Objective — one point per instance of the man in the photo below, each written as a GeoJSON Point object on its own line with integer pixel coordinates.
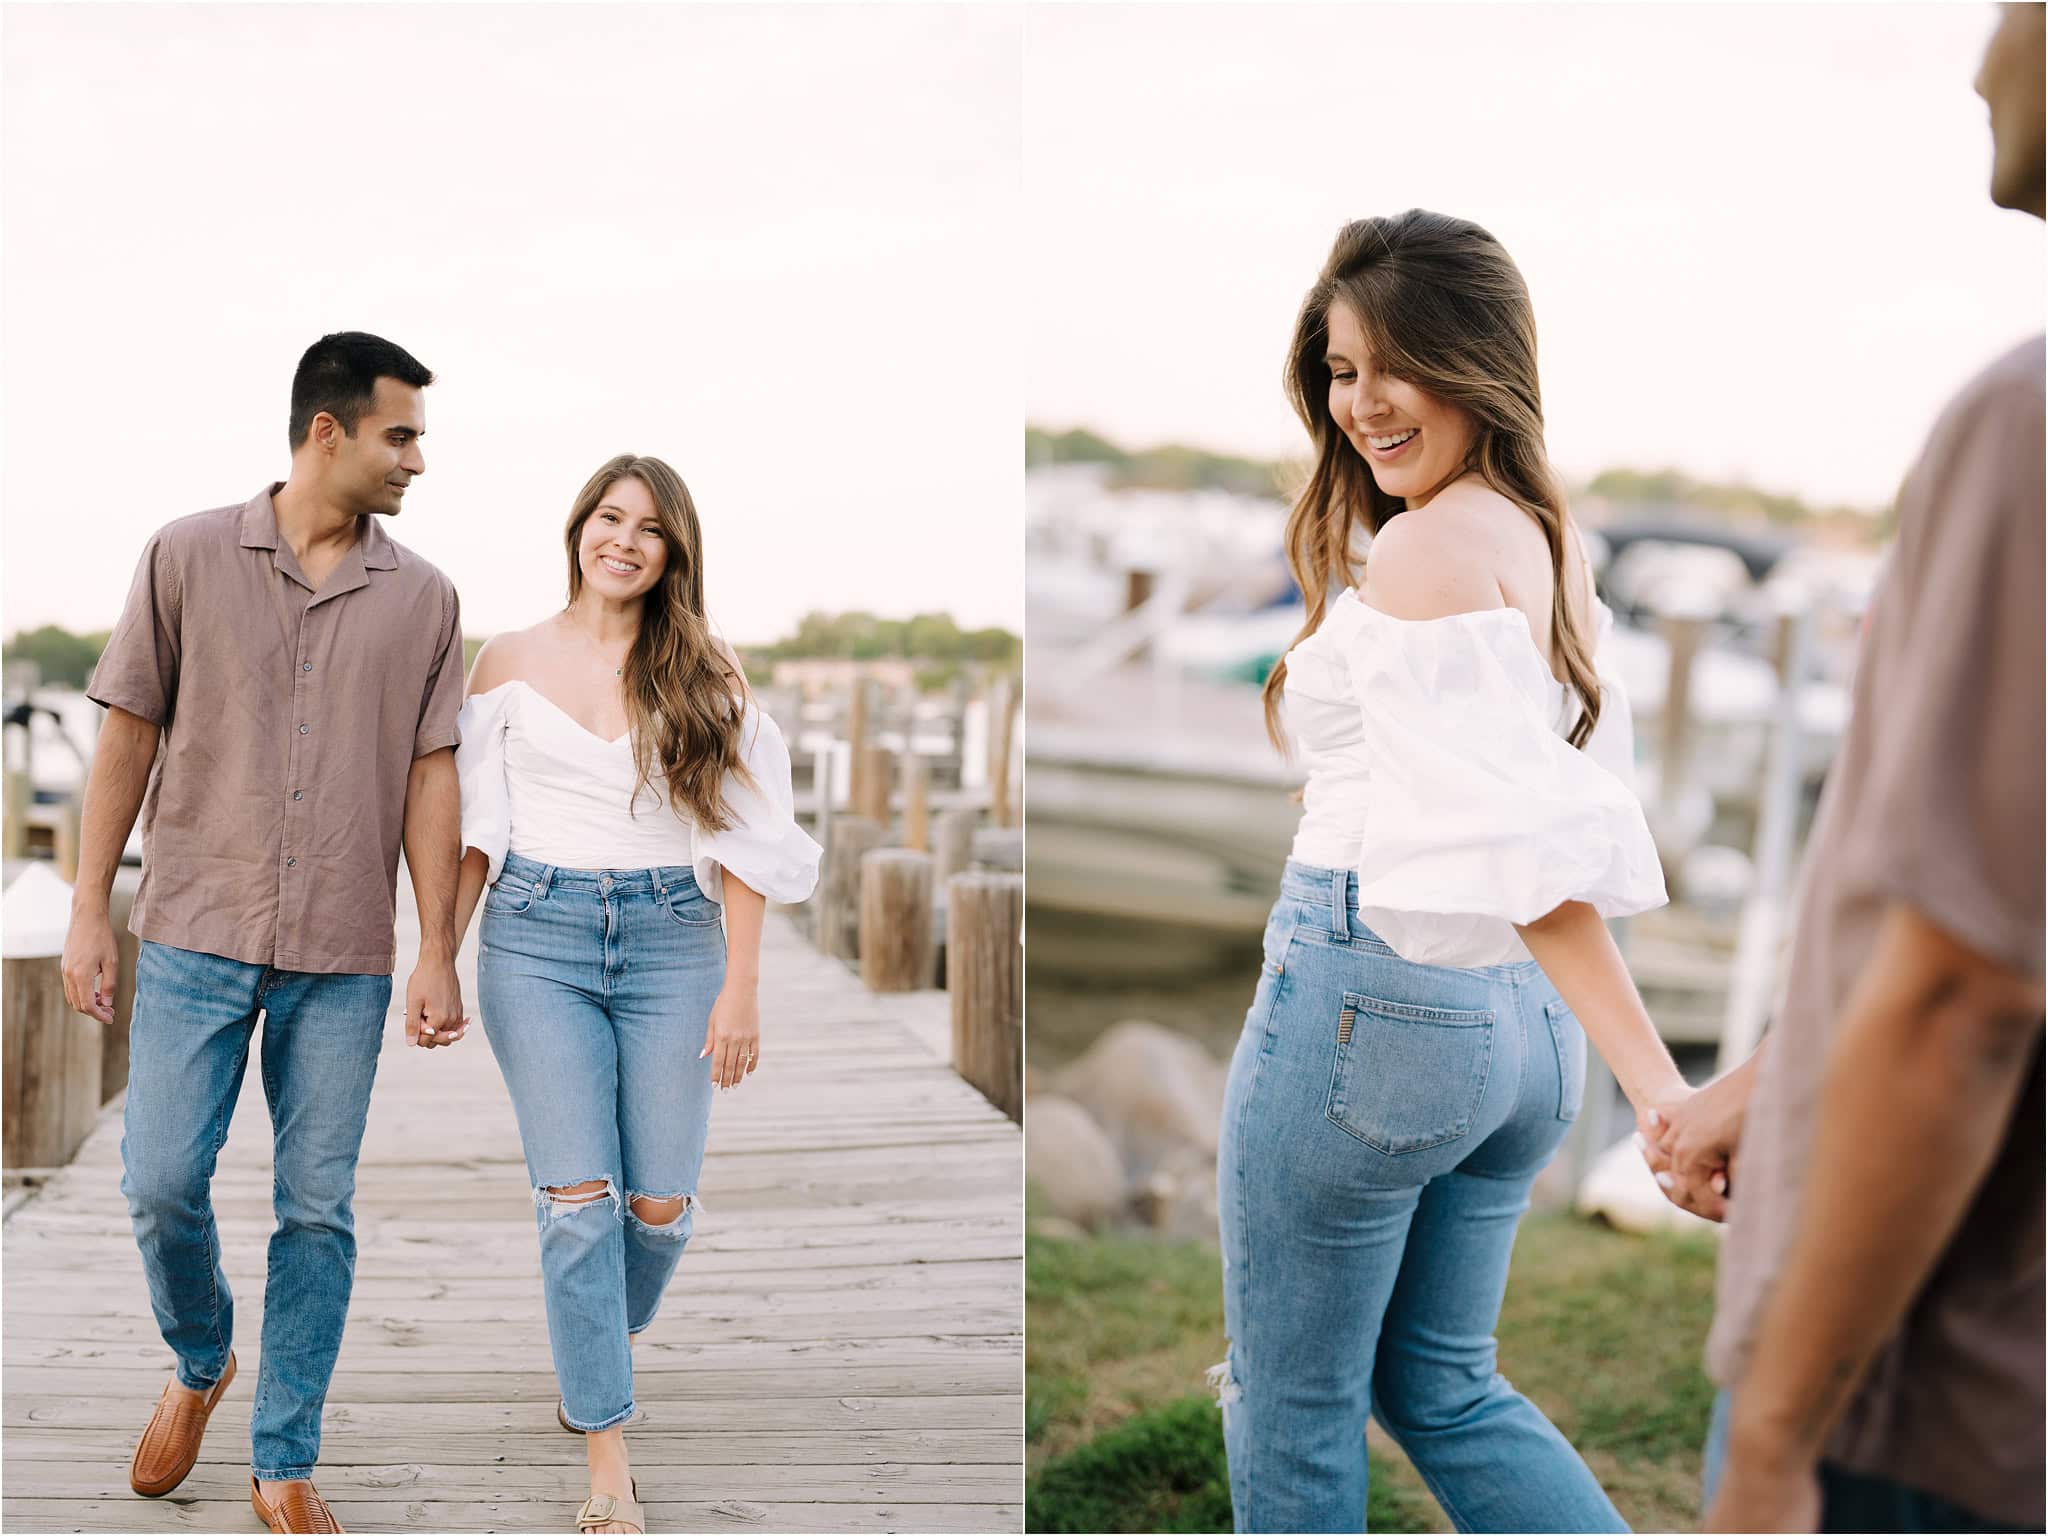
{"type": "Point", "coordinates": [1879, 1320]}
{"type": "Point", "coordinates": [284, 681]}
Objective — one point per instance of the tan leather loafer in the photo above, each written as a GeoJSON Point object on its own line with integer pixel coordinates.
{"type": "Point", "coordinates": [301, 1509]}
{"type": "Point", "coordinates": [170, 1440]}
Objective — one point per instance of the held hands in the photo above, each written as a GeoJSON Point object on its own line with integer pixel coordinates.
{"type": "Point", "coordinates": [733, 1041]}
{"type": "Point", "coordinates": [91, 965]}
{"type": "Point", "coordinates": [433, 1005]}
{"type": "Point", "coordinates": [1691, 1143]}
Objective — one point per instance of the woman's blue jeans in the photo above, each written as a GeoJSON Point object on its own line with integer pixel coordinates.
{"type": "Point", "coordinates": [188, 1042]}
{"type": "Point", "coordinates": [1382, 1126]}
{"type": "Point", "coordinates": [596, 989]}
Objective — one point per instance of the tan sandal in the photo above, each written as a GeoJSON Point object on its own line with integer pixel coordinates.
{"type": "Point", "coordinates": [610, 1509]}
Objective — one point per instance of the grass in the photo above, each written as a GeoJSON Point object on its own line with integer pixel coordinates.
{"type": "Point", "coordinates": [1601, 1330]}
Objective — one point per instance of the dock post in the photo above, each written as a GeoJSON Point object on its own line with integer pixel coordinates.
{"type": "Point", "coordinates": [52, 1065]}
{"type": "Point", "coordinates": [1001, 727]}
{"type": "Point", "coordinates": [839, 911]}
{"type": "Point", "coordinates": [985, 980]}
{"type": "Point", "coordinates": [877, 770]}
{"type": "Point", "coordinates": [856, 739]}
{"type": "Point", "coordinates": [917, 832]}
{"type": "Point", "coordinates": [896, 920]}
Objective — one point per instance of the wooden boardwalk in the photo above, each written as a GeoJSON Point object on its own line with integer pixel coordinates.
{"type": "Point", "coordinates": [841, 1348]}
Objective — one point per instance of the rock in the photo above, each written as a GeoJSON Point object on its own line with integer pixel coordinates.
{"type": "Point", "coordinates": [1179, 1199]}
{"type": "Point", "coordinates": [1075, 1168]}
{"type": "Point", "coordinates": [1620, 1187]}
{"type": "Point", "coordinates": [1157, 1093]}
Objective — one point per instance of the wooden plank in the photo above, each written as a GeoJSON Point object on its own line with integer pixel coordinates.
{"type": "Point", "coordinates": [227, 1444]}
{"type": "Point", "coordinates": [178, 1513]}
{"type": "Point", "coordinates": [509, 1483]}
{"type": "Point", "coordinates": [728, 1324]}
{"type": "Point", "coordinates": [655, 1416]}
{"type": "Point", "coordinates": [970, 1377]}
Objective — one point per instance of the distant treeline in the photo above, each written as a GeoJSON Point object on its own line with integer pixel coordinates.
{"type": "Point", "coordinates": [66, 660]}
{"type": "Point", "coordinates": [1174, 467]}
{"type": "Point", "coordinates": [1170, 467]}
{"type": "Point", "coordinates": [933, 639]}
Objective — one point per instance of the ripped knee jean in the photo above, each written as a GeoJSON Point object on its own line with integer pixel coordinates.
{"type": "Point", "coordinates": [596, 990]}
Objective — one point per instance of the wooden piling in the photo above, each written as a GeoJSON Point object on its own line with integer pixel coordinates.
{"type": "Point", "coordinates": [14, 817]}
{"type": "Point", "coordinates": [839, 906]}
{"type": "Point", "coordinates": [917, 831]}
{"type": "Point", "coordinates": [1683, 634]}
{"type": "Point", "coordinates": [1002, 722]}
{"type": "Point", "coordinates": [856, 738]}
{"type": "Point", "coordinates": [50, 1062]}
{"type": "Point", "coordinates": [985, 979]}
{"type": "Point", "coordinates": [69, 831]}
{"type": "Point", "coordinates": [952, 843]}
{"type": "Point", "coordinates": [821, 776]}
{"type": "Point", "coordinates": [896, 920]}
{"type": "Point", "coordinates": [878, 770]}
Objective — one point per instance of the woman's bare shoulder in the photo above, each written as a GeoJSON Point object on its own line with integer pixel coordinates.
{"type": "Point", "coordinates": [510, 655]}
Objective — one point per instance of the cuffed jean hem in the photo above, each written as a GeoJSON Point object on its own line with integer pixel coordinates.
{"type": "Point", "coordinates": [592, 1429]}
{"type": "Point", "coordinates": [186, 1380]}
{"type": "Point", "coordinates": [288, 1475]}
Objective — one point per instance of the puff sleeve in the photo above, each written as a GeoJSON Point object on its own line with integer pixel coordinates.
{"type": "Point", "coordinates": [1480, 814]}
{"type": "Point", "coordinates": [480, 767]}
{"type": "Point", "coordinates": [764, 846]}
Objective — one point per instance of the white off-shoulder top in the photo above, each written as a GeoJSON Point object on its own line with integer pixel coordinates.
{"type": "Point", "coordinates": [1439, 770]}
{"type": "Point", "coordinates": [536, 783]}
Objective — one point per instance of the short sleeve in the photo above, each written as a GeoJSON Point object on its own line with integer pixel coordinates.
{"type": "Point", "coordinates": [764, 846]}
{"type": "Point", "coordinates": [1948, 700]}
{"type": "Point", "coordinates": [1476, 806]}
{"type": "Point", "coordinates": [480, 768]}
{"type": "Point", "coordinates": [441, 701]}
{"type": "Point", "coordinates": [138, 670]}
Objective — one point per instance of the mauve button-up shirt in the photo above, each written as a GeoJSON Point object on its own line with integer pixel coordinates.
{"type": "Point", "coordinates": [290, 718]}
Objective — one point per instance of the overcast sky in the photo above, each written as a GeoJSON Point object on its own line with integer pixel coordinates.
{"type": "Point", "coordinates": [1758, 237]}
{"type": "Point", "coordinates": [777, 247]}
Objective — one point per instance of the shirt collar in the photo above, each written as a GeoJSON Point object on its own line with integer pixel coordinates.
{"type": "Point", "coordinates": [259, 531]}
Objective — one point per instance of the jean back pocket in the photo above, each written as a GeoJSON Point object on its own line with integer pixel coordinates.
{"type": "Point", "coordinates": [1407, 1077]}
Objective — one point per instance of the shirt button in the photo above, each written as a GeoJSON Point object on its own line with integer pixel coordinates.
{"type": "Point", "coordinates": [298, 794]}
{"type": "Point", "coordinates": [304, 729]}
{"type": "Point", "coordinates": [309, 666]}
{"type": "Point", "coordinates": [291, 863]}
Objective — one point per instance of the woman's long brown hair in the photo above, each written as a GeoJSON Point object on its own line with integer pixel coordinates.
{"type": "Point", "coordinates": [1444, 308]}
{"type": "Point", "coordinates": [684, 701]}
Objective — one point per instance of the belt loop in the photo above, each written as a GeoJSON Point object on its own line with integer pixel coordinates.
{"type": "Point", "coordinates": [547, 877]}
{"type": "Point", "coordinates": [1340, 906]}
{"type": "Point", "coordinates": [660, 884]}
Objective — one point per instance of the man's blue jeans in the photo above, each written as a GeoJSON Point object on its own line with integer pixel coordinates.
{"type": "Point", "coordinates": [194, 1021]}
{"type": "Point", "coordinates": [1850, 1501]}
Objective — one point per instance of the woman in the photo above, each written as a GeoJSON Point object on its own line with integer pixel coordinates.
{"type": "Point", "coordinates": [1413, 1054]}
{"type": "Point", "coordinates": [619, 790]}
